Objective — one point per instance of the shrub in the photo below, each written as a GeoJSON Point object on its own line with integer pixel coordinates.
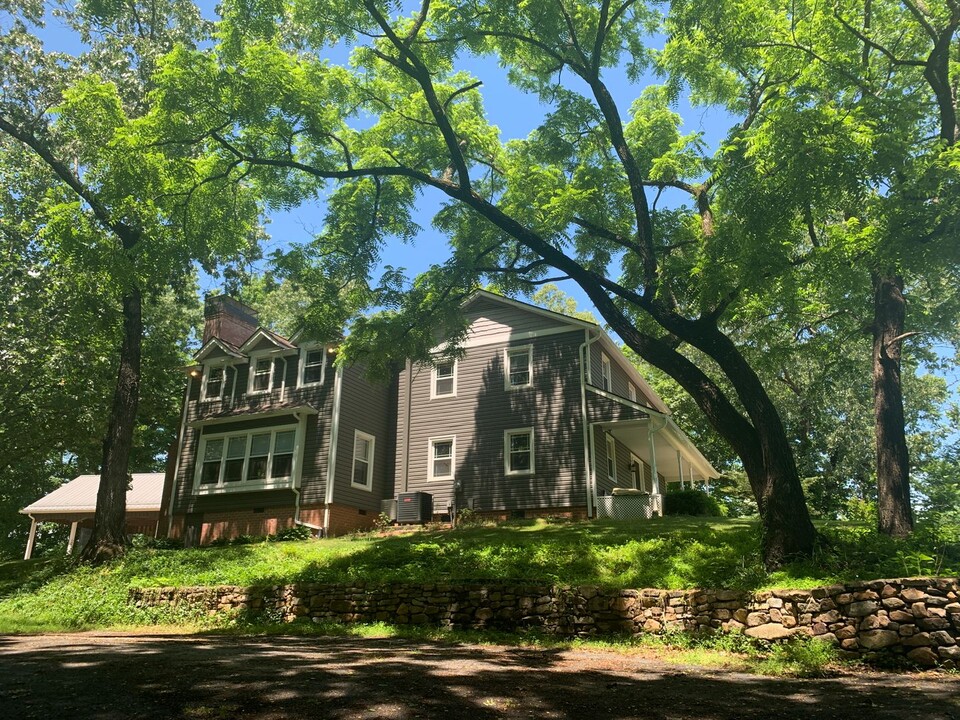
{"type": "Point", "coordinates": [690, 502]}
{"type": "Point", "coordinates": [145, 541]}
{"type": "Point", "coordinates": [297, 532]}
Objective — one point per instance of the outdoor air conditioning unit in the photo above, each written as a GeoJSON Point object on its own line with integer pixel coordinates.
{"type": "Point", "coordinates": [415, 507]}
{"type": "Point", "coordinates": [389, 508]}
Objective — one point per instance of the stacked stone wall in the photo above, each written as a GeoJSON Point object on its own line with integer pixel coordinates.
{"type": "Point", "coordinates": [918, 618]}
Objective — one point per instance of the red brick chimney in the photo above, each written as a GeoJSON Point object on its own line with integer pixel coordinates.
{"type": "Point", "coordinates": [229, 320]}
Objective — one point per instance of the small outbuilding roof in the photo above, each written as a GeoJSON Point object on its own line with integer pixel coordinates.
{"type": "Point", "coordinates": [80, 495]}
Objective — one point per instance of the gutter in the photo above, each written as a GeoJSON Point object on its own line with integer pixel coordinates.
{"type": "Point", "coordinates": [589, 449]}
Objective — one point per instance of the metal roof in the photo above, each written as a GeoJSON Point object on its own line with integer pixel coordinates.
{"type": "Point", "coordinates": [80, 495]}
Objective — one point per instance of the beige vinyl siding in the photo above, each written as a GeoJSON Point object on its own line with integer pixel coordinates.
{"type": "Point", "coordinates": [368, 407]}
{"type": "Point", "coordinates": [480, 414]}
{"type": "Point", "coordinates": [488, 318]}
{"type": "Point", "coordinates": [315, 442]}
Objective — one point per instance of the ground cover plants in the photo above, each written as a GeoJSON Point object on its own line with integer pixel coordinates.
{"type": "Point", "coordinates": [671, 552]}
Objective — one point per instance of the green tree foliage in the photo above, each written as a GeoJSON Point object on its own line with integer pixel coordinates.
{"type": "Point", "coordinates": [123, 214]}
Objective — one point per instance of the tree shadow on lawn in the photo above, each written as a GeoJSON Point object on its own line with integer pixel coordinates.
{"type": "Point", "coordinates": [149, 677]}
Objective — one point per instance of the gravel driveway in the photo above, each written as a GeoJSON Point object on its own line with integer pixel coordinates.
{"type": "Point", "coordinates": [198, 677]}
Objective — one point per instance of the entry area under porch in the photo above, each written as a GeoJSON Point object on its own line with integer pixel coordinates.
{"type": "Point", "coordinates": [635, 462]}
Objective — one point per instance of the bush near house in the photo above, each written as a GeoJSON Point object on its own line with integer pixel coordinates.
{"type": "Point", "coordinates": [691, 502]}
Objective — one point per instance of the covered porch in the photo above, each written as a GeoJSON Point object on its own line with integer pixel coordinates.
{"type": "Point", "coordinates": [638, 461]}
{"type": "Point", "coordinates": [74, 503]}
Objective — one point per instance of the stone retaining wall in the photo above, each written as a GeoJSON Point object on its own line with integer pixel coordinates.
{"type": "Point", "coordinates": [915, 617]}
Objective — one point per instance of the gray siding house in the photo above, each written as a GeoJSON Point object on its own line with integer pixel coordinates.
{"type": "Point", "coordinates": [540, 415]}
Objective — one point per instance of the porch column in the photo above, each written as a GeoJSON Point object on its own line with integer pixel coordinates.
{"type": "Point", "coordinates": [73, 537]}
{"type": "Point", "coordinates": [653, 458]}
{"type": "Point", "coordinates": [31, 539]}
{"type": "Point", "coordinates": [680, 469]}
{"type": "Point", "coordinates": [691, 477]}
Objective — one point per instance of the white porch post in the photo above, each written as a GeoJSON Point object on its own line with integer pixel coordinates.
{"type": "Point", "coordinates": [691, 477]}
{"type": "Point", "coordinates": [31, 539]}
{"type": "Point", "coordinates": [680, 469]}
{"type": "Point", "coordinates": [653, 457]}
{"type": "Point", "coordinates": [73, 537]}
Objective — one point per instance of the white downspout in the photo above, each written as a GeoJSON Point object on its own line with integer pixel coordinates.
{"type": "Point", "coordinates": [180, 441]}
{"type": "Point", "coordinates": [332, 454]}
{"type": "Point", "coordinates": [588, 440]}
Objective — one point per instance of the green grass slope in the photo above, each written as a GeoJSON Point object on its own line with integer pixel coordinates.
{"type": "Point", "coordinates": [672, 552]}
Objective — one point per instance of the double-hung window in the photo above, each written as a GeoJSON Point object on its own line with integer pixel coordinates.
{"type": "Point", "coordinates": [606, 375]}
{"type": "Point", "coordinates": [254, 459]}
{"type": "Point", "coordinates": [362, 460]}
{"type": "Point", "coordinates": [441, 458]}
{"type": "Point", "coordinates": [215, 385]}
{"type": "Point", "coordinates": [261, 374]}
{"type": "Point", "coordinates": [611, 458]}
{"type": "Point", "coordinates": [518, 451]}
{"type": "Point", "coordinates": [443, 381]}
{"type": "Point", "coordinates": [312, 365]}
{"type": "Point", "coordinates": [518, 362]}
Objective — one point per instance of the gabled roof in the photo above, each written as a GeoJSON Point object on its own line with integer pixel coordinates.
{"type": "Point", "coordinates": [263, 333]}
{"type": "Point", "coordinates": [80, 495]}
{"type": "Point", "coordinates": [536, 309]}
{"type": "Point", "coordinates": [216, 343]}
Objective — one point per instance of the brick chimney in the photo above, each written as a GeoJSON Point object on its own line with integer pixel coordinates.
{"type": "Point", "coordinates": [228, 319]}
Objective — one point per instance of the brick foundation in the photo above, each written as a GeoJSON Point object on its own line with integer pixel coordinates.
{"type": "Point", "coordinates": [228, 525]}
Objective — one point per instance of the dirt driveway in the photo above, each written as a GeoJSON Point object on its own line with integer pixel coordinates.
{"type": "Point", "coordinates": [203, 677]}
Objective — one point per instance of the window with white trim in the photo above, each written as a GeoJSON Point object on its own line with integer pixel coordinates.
{"type": "Point", "coordinates": [632, 392]}
{"type": "Point", "coordinates": [518, 451]}
{"type": "Point", "coordinates": [253, 459]}
{"type": "Point", "coordinates": [216, 381]}
{"type": "Point", "coordinates": [606, 375]}
{"type": "Point", "coordinates": [362, 476]}
{"type": "Point", "coordinates": [261, 374]}
{"type": "Point", "coordinates": [443, 381]}
{"type": "Point", "coordinates": [518, 362]}
{"type": "Point", "coordinates": [441, 458]}
{"type": "Point", "coordinates": [313, 361]}
{"type": "Point", "coordinates": [611, 458]}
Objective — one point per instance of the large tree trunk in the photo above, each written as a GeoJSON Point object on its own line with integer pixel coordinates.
{"type": "Point", "coordinates": [893, 462]}
{"type": "Point", "coordinates": [108, 539]}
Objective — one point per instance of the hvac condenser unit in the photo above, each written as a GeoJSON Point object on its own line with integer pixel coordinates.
{"type": "Point", "coordinates": [415, 507]}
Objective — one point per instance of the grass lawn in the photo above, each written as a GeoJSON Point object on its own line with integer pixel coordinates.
{"type": "Point", "coordinates": [672, 552]}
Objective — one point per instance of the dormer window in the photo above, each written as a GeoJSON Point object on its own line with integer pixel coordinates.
{"type": "Point", "coordinates": [312, 365]}
{"type": "Point", "coordinates": [261, 374]}
{"type": "Point", "coordinates": [215, 382]}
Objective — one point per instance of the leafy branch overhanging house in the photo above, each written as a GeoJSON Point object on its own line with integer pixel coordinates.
{"type": "Point", "coordinates": [542, 415]}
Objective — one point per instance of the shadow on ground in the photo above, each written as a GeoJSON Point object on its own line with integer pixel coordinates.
{"type": "Point", "coordinates": [118, 676]}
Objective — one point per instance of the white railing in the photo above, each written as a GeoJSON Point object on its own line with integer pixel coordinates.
{"type": "Point", "coordinates": [629, 507]}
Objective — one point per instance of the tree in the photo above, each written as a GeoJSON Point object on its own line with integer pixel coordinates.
{"type": "Point", "coordinates": [860, 107]}
{"type": "Point", "coordinates": [579, 195]}
{"type": "Point", "coordinates": [119, 208]}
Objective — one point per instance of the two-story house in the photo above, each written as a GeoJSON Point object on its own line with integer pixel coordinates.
{"type": "Point", "coordinates": [542, 415]}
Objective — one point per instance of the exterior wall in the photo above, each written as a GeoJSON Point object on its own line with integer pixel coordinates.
{"type": "Point", "coordinates": [478, 416]}
{"type": "Point", "coordinates": [916, 618]}
{"type": "Point", "coordinates": [489, 318]}
{"type": "Point", "coordinates": [368, 407]}
{"type": "Point", "coordinates": [618, 374]}
{"type": "Point", "coordinates": [624, 479]}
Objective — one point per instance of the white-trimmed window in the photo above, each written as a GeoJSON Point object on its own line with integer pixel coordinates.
{"type": "Point", "coordinates": [518, 365]}
{"type": "Point", "coordinates": [518, 456]}
{"type": "Point", "coordinates": [611, 458]}
{"type": "Point", "coordinates": [249, 460]}
{"type": "Point", "coordinates": [443, 379]}
{"type": "Point", "coordinates": [261, 374]}
{"type": "Point", "coordinates": [313, 364]}
{"type": "Point", "coordinates": [441, 458]}
{"type": "Point", "coordinates": [216, 381]}
{"type": "Point", "coordinates": [362, 476]}
{"type": "Point", "coordinates": [632, 392]}
{"type": "Point", "coordinates": [606, 374]}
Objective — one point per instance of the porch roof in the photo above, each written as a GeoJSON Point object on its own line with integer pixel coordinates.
{"type": "Point", "coordinates": [80, 495]}
{"type": "Point", "coordinates": [668, 441]}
